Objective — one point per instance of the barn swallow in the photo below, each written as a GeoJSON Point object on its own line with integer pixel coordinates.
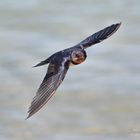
{"type": "Point", "coordinates": [59, 64]}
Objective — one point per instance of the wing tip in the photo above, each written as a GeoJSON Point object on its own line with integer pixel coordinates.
{"type": "Point", "coordinates": [27, 118]}
{"type": "Point", "coordinates": [118, 25]}
{"type": "Point", "coordinates": [29, 115]}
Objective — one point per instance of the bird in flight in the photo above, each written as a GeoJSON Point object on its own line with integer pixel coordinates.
{"type": "Point", "coordinates": [59, 64]}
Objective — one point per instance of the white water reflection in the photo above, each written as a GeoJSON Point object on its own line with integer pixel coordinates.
{"type": "Point", "coordinates": [99, 99]}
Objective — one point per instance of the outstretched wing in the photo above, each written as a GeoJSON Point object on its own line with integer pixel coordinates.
{"type": "Point", "coordinates": [55, 75]}
{"type": "Point", "coordinates": [99, 36]}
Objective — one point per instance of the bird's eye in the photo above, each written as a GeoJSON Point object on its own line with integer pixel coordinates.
{"type": "Point", "coordinates": [77, 55]}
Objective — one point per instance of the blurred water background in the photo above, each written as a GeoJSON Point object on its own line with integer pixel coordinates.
{"type": "Point", "coordinates": [99, 99]}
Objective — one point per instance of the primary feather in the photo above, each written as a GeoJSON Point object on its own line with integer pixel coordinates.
{"type": "Point", "coordinates": [55, 75]}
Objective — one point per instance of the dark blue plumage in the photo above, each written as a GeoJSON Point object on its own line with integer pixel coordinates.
{"type": "Point", "coordinates": [59, 64]}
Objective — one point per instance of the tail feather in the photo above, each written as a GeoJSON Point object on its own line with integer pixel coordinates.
{"type": "Point", "coordinates": [42, 63]}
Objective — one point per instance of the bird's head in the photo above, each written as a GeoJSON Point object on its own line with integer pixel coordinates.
{"type": "Point", "coordinates": [78, 56]}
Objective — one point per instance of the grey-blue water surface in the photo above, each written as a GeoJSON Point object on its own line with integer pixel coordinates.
{"type": "Point", "coordinates": [99, 99]}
